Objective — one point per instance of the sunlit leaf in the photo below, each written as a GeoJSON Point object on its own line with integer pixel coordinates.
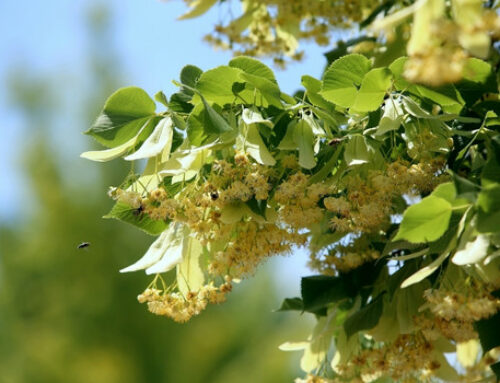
{"type": "Point", "coordinates": [424, 272]}
{"type": "Point", "coordinates": [304, 139]}
{"type": "Point", "coordinates": [125, 213]}
{"type": "Point", "coordinates": [124, 114]}
{"type": "Point", "coordinates": [343, 79]}
{"type": "Point", "coordinates": [425, 221]}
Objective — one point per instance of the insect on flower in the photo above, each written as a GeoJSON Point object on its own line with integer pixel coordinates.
{"type": "Point", "coordinates": [335, 141]}
{"type": "Point", "coordinates": [83, 245]}
{"type": "Point", "coordinates": [138, 212]}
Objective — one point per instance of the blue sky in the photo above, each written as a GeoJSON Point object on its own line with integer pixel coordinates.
{"type": "Point", "coordinates": [49, 37]}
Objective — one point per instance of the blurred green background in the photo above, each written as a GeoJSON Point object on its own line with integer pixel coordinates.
{"type": "Point", "coordinates": [67, 315]}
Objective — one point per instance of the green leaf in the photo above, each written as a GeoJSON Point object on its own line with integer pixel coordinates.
{"type": "Point", "coordinates": [189, 76]}
{"type": "Point", "coordinates": [304, 139]}
{"type": "Point", "coordinates": [392, 118]}
{"type": "Point", "coordinates": [125, 213]}
{"type": "Point", "coordinates": [232, 213]}
{"type": "Point", "coordinates": [198, 8]}
{"type": "Point", "coordinates": [487, 329]}
{"type": "Point", "coordinates": [465, 188]}
{"type": "Point", "coordinates": [366, 318]}
{"type": "Point", "coordinates": [479, 78]}
{"type": "Point", "coordinates": [256, 147]}
{"type": "Point", "coordinates": [252, 66]}
{"type": "Point", "coordinates": [319, 291]}
{"type": "Point", "coordinates": [250, 116]}
{"type": "Point", "coordinates": [425, 221]}
{"type": "Point", "coordinates": [268, 89]}
{"type": "Point", "coordinates": [357, 151]}
{"type": "Point", "coordinates": [216, 85]}
{"type": "Point", "coordinates": [373, 89]}
{"type": "Point", "coordinates": [424, 272]}
{"type": "Point", "coordinates": [445, 191]}
{"type": "Point", "coordinates": [180, 103]}
{"type": "Point", "coordinates": [488, 217]}
{"type": "Point", "coordinates": [124, 114]}
{"type": "Point", "coordinates": [172, 189]}
{"type": "Point", "coordinates": [288, 141]}
{"type": "Point", "coordinates": [447, 96]}
{"type": "Point", "coordinates": [292, 304]}
{"type": "Point", "coordinates": [343, 79]}
{"type": "Point", "coordinates": [215, 123]}
{"type": "Point", "coordinates": [313, 87]}
{"type": "Point", "coordinates": [203, 122]}
{"type": "Point", "coordinates": [408, 302]}
{"type": "Point", "coordinates": [257, 206]}
{"type": "Point", "coordinates": [195, 126]}
{"type": "Point", "coordinates": [395, 280]}
{"type": "Point", "coordinates": [161, 98]}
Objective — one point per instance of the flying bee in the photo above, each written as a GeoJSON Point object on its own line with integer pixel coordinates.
{"type": "Point", "coordinates": [83, 245]}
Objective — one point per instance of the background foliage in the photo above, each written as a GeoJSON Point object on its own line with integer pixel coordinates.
{"type": "Point", "coordinates": [66, 314]}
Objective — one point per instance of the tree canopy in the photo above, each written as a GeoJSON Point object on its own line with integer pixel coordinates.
{"type": "Point", "coordinates": [387, 169]}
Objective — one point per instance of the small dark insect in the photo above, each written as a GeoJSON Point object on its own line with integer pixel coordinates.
{"type": "Point", "coordinates": [335, 141]}
{"type": "Point", "coordinates": [214, 196]}
{"type": "Point", "coordinates": [138, 211]}
{"type": "Point", "coordinates": [83, 245]}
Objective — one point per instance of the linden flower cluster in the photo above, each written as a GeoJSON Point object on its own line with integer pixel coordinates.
{"type": "Point", "coordinates": [433, 328]}
{"type": "Point", "coordinates": [409, 358]}
{"type": "Point", "coordinates": [299, 201]}
{"type": "Point", "coordinates": [453, 305]}
{"type": "Point", "coordinates": [367, 203]}
{"type": "Point", "coordinates": [273, 27]}
{"type": "Point", "coordinates": [182, 308]}
{"type": "Point", "coordinates": [249, 246]}
{"type": "Point", "coordinates": [238, 239]}
{"type": "Point", "coordinates": [438, 54]}
{"type": "Point", "coordinates": [344, 258]}
{"type": "Point", "coordinates": [366, 207]}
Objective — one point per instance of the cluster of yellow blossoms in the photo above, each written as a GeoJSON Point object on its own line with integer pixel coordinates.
{"type": "Point", "coordinates": [344, 258]}
{"type": "Point", "coordinates": [298, 201]}
{"type": "Point", "coordinates": [239, 245]}
{"type": "Point", "coordinates": [454, 313]}
{"type": "Point", "coordinates": [453, 305]}
{"type": "Point", "coordinates": [406, 359]}
{"type": "Point", "coordinates": [181, 308]}
{"type": "Point", "coordinates": [216, 209]}
{"type": "Point", "coordinates": [273, 27]}
{"type": "Point", "coordinates": [366, 207]}
{"type": "Point", "coordinates": [439, 47]}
